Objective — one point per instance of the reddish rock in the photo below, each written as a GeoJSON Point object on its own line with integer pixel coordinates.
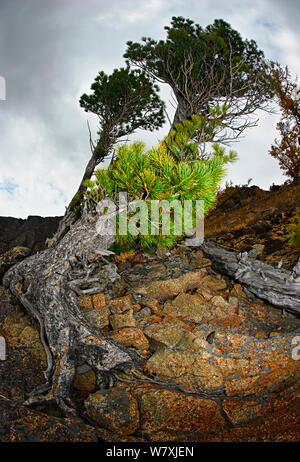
{"type": "Point", "coordinates": [120, 304]}
{"type": "Point", "coordinates": [170, 411]}
{"type": "Point", "coordinates": [131, 337]}
{"type": "Point", "coordinates": [162, 290]}
{"type": "Point", "coordinates": [125, 319]}
{"type": "Point", "coordinates": [190, 307]}
{"type": "Point", "coordinates": [98, 300]}
{"type": "Point", "coordinates": [189, 369]}
{"type": "Point", "coordinates": [85, 302]}
{"type": "Point", "coordinates": [241, 412]}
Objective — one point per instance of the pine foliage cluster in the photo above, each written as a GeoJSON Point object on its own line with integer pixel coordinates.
{"type": "Point", "coordinates": [293, 231]}
{"type": "Point", "coordinates": [173, 169]}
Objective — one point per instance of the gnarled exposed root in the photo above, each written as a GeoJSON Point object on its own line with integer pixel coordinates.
{"type": "Point", "coordinates": [43, 284]}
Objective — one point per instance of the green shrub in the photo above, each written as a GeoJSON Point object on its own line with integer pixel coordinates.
{"type": "Point", "coordinates": [293, 231]}
{"type": "Point", "coordinates": [172, 170]}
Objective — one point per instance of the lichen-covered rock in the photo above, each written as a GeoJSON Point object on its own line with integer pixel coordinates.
{"type": "Point", "coordinates": [162, 335]}
{"type": "Point", "coordinates": [189, 369]}
{"type": "Point", "coordinates": [99, 300]}
{"type": "Point", "coordinates": [85, 302]}
{"type": "Point", "coordinates": [131, 337]}
{"type": "Point", "coordinates": [120, 304]}
{"type": "Point", "coordinates": [167, 410]}
{"type": "Point", "coordinates": [189, 307]}
{"type": "Point", "coordinates": [162, 290]}
{"type": "Point", "coordinates": [125, 319]}
{"type": "Point", "coordinates": [114, 409]}
{"type": "Point", "coordinates": [99, 317]}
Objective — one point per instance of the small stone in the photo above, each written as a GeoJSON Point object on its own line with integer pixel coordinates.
{"type": "Point", "coordinates": [99, 317]}
{"type": "Point", "coordinates": [85, 302]}
{"type": "Point", "coordinates": [162, 335]}
{"type": "Point", "coordinates": [120, 304]}
{"type": "Point", "coordinates": [98, 300]}
{"type": "Point", "coordinates": [162, 290]}
{"type": "Point", "coordinates": [214, 283]}
{"type": "Point", "coordinates": [131, 337]}
{"type": "Point", "coordinates": [126, 319]}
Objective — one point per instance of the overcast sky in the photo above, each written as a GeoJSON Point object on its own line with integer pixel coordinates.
{"type": "Point", "coordinates": [50, 53]}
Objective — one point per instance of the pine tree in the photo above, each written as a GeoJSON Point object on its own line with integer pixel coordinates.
{"type": "Point", "coordinates": [123, 102]}
{"type": "Point", "coordinates": [206, 67]}
{"type": "Point", "coordinates": [173, 170]}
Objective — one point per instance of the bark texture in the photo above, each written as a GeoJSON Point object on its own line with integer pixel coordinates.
{"type": "Point", "coordinates": [46, 285]}
{"type": "Point", "coordinates": [277, 286]}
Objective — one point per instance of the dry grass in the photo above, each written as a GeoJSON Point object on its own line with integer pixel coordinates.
{"type": "Point", "coordinates": [263, 204]}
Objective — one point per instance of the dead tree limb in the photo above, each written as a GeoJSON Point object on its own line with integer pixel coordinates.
{"type": "Point", "coordinates": [277, 286]}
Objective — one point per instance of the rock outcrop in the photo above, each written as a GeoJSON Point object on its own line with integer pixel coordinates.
{"type": "Point", "coordinates": [31, 233]}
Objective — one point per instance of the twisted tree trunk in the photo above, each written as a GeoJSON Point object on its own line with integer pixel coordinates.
{"type": "Point", "coordinates": [46, 285]}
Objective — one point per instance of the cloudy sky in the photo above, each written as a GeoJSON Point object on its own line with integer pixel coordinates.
{"type": "Point", "coordinates": [50, 53]}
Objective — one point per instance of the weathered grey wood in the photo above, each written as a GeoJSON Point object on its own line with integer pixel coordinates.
{"type": "Point", "coordinates": [43, 283]}
{"type": "Point", "coordinates": [277, 286]}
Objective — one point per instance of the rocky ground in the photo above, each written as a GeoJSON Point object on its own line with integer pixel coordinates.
{"type": "Point", "coordinates": [215, 365]}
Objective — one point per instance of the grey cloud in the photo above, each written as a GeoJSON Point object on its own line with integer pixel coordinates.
{"type": "Point", "coordinates": [50, 53]}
